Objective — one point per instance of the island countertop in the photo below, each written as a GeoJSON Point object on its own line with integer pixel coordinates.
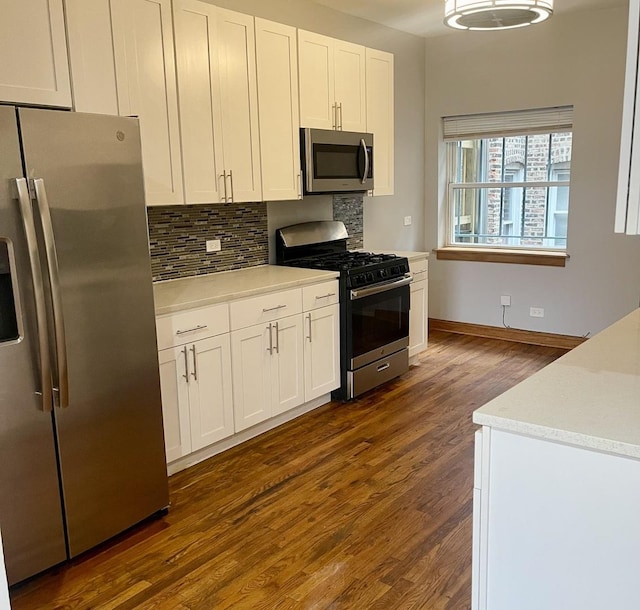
{"type": "Point", "coordinates": [590, 397]}
{"type": "Point", "coordinates": [186, 293]}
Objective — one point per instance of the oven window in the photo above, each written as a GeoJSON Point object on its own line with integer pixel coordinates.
{"type": "Point", "coordinates": [379, 319]}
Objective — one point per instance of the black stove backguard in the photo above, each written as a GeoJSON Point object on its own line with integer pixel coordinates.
{"type": "Point", "coordinates": [374, 302]}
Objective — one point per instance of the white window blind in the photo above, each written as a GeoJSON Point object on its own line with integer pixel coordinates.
{"type": "Point", "coordinates": [501, 124]}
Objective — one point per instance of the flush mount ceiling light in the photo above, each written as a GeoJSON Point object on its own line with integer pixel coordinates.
{"type": "Point", "coordinates": [495, 14]}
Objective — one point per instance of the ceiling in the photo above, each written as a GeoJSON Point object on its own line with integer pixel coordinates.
{"type": "Point", "coordinates": [424, 17]}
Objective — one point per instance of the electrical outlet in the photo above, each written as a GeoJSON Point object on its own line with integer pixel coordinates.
{"type": "Point", "coordinates": [536, 312]}
{"type": "Point", "coordinates": [505, 300]}
{"type": "Point", "coordinates": [407, 221]}
{"type": "Point", "coordinates": [213, 245]}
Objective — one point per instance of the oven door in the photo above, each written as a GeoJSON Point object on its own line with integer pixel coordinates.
{"type": "Point", "coordinates": [377, 321]}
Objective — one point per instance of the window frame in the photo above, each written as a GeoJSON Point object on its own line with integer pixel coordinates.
{"type": "Point", "coordinates": [481, 128]}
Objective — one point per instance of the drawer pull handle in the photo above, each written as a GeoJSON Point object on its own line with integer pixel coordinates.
{"type": "Point", "coordinates": [326, 296]}
{"type": "Point", "coordinates": [191, 330]}
{"type": "Point", "coordinates": [267, 310]}
{"type": "Point", "coordinates": [383, 367]}
{"type": "Point", "coordinates": [419, 272]}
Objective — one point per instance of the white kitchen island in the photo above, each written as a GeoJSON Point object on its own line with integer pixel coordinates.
{"type": "Point", "coordinates": [557, 483]}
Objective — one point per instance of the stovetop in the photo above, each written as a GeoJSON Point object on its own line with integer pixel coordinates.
{"type": "Point", "coordinates": [323, 245]}
{"type": "Point", "coordinates": [358, 269]}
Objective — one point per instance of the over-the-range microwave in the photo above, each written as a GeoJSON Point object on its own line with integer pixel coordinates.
{"type": "Point", "coordinates": [336, 161]}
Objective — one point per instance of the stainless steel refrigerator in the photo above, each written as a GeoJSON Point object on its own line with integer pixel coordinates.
{"type": "Point", "coordinates": [81, 438]}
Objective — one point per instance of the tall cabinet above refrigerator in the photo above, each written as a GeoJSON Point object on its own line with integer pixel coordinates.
{"type": "Point", "coordinates": [81, 439]}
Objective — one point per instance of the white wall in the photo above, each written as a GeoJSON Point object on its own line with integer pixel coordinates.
{"type": "Point", "coordinates": [383, 216]}
{"type": "Point", "coordinates": [572, 59]}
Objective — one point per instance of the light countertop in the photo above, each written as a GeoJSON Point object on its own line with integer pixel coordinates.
{"type": "Point", "coordinates": [177, 295]}
{"type": "Point", "coordinates": [411, 255]}
{"type": "Point", "coordinates": [589, 397]}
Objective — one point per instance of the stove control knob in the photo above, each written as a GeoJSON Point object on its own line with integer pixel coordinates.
{"type": "Point", "coordinates": [369, 276]}
{"type": "Point", "coordinates": [383, 273]}
{"type": "Point", "coordinates": [395, 271]}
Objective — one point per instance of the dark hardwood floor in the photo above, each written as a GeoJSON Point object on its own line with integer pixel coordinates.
{"type": "Point", "coordinates": [364, 506]}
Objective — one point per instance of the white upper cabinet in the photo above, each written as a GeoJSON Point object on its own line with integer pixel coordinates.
{"type": "Point", "coordinates": [239, 97]}
{"type": "Point", "coordinates": [332, 83]}
{"type": "Point", "coordinates": [380, 114]}
{"type": "Point", "coordinates": [34, 68]}
{"type": "Point", "coordinates": [218, 103]}
{"type": "Point", "coordinates": [317, 84]}
{"type": "Point", "coordinates": [146, 82]}
{"type": "Point", "coordinates": [628, 200]}
{"type": "Point", "coordinates": [350, 70]}
{"type": "Point", "coordinates": [277, 70]}
{"type": "Point", "coordinates": [199, 86]}
{"type": "Point", "coordinates": [90, 40]}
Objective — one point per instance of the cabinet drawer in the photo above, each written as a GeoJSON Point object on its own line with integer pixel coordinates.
{"type": "Point", "coordinates": [192, 325]}
{"type": "Point", "coordinates": [320, 295]}
{"type": "Point", "coordinates": [418, 269]}
{"type": "Point", "coordinates": [265, 308]}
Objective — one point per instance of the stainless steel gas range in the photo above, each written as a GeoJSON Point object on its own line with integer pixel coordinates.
{"type": "Point", "coordinates": [374, 302]}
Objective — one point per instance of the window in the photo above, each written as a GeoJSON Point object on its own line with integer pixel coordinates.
{"type": "Point", "coordinates": [508, 180]}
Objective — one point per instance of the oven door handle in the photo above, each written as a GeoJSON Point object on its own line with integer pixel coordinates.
{"type": "Point", "coordinates": [382, 287]}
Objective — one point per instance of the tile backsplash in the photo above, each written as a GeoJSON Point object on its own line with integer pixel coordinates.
{"type": "Point", "coordinates": [349, 209]}
{"type": "Point", "coordinates": [177, 235]}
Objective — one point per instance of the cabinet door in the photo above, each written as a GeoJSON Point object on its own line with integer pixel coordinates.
{"type": "Point", "coordinates": [251, 373]}
{"type": "Point", "coordinates": [145, 76]}
{"type": "Point", "coordinates": [418, 318]}
{"type": "Point", "coordinates": [321, 351]}
{"type": "Point", "coordinates": [239, 97]}
{"type": "Point", "coordinates": [380, 117]}
{"type": "Point", "coordinates": [277, 70]}
{"type": "Point", "coordinates": [210, 396]}
{"type": "Point", "coordinates": [174, 372]}
{"type": "Point", "coordinates": [350, 91]}
{"type": "Point", "coordinates": [93, 71]}
{"type": "Point", "coordinates": [199, 95]}
{"type": "Point", "coordinates": [287, 388]}
{"type": "Point", "coordinates": [317, 81]}
{"type": "Point", "coordinates": [34, 67]}
{"type": "Point", "coordinates": [628, 199]}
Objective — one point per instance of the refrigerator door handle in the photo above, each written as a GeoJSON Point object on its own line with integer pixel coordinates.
{"type": "Point", "coordinates": [61, 384]}
{"type": "Point", "coordinates": [24, 200]}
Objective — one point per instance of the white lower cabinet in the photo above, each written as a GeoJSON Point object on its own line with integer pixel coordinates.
{"type": "Point", "coordinates": [321, 351]}
{"type": "Point", "coordinates": [418, 314]}
{"type": "Point", "coordinates": [228, 367]}
{"type": "Point", "coordinates": [196, 395]}
{"type": "Point", "coordinates": [267, 370]}
{"type": "Point", "coordinates": [555, 526]}
{"type": "Point", "coordinates": [175, 401]}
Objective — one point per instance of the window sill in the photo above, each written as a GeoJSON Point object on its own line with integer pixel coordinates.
{"type": "Point", "coordinates": [495, 255]}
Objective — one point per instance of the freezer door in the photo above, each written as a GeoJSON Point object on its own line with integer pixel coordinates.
{"type": "Point", "coordinates": [87, 172]}
{"type": "Point", "coordinates": [30, 508]}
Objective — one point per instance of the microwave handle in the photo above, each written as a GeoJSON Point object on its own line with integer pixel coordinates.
{"type": "Point", "coordinates": [366, 160]}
